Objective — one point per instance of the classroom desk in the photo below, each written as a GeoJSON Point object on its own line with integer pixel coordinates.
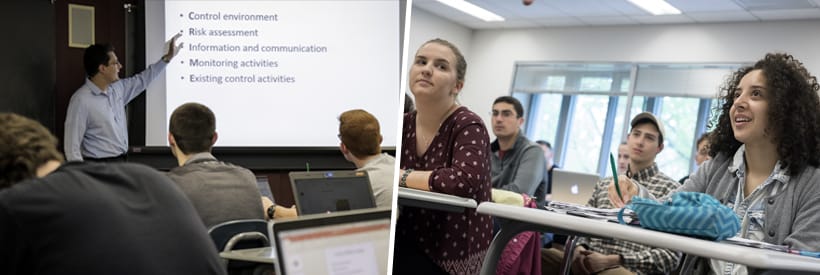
{"type": "Point", "coordinates": [433, 200]}
{"type": "Point", "coordinates": [519, 219]}
{"type": "Point", "coordinates": [265, 255]}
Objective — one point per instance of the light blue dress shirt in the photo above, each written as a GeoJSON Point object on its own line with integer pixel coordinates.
{"type": "Point", "coordinates": [95, 124]}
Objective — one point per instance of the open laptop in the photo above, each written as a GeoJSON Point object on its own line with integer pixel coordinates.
{"type": "Point", "coordinates": [573, 187]}
{"type": "Point", "coordinates": [350, 242]}
{"type": "Point", "coordinates": [331, 191]}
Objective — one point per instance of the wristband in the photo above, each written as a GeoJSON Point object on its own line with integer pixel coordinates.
{"type": "Point", "coordinates": [403, 180]}
{"type": "Point", "coordinates": [271, 211]}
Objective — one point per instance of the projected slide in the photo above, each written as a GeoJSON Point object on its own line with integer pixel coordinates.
{"type": "Point", "coordinates": [279, 73]}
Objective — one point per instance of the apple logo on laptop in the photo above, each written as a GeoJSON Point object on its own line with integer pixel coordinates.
{"type": "Point", "coordinates": [574, 189]}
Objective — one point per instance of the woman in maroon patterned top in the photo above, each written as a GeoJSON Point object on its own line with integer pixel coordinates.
{"type": "Point", "coordinates": [445, 149]}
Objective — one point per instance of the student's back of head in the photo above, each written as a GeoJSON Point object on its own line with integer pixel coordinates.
{"type": "Point", "coordinates": [219, 191]}
{"type": "Point", "coordinates": [92, 218]}
{"type": "Point", "coordinates": [360, 133]}
{"type": "Point", "coordinates": [193, 127]}
{"type": "Point", "coordinates": [25, 146]}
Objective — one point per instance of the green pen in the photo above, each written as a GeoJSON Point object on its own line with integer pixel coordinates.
{"type": "Point", "coordinates": [615, 175]}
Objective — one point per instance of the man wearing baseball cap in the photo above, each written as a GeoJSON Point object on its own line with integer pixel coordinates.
{"type": "Point", "coordinates": [594, 256]}
{"type": "Point", "coordinates": [645, 142]}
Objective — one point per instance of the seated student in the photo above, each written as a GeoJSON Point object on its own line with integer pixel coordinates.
{"type": "Point", "coordinates": [91, 218]}
{"type": "Point", "coordinates": [360, 144]}
{"type": "Point", "coordinates": [445, 149]}
{"type": "Point", "coordinates": [764, 164]}
{"type": "Point", "coordinates": [219, 191]}
{"type": "Point", "coordinates": [702, 154]}
{"type": "Point", "coordinates": [623, 158]}
{"type": "Point", "coordinates": [549, 156]}
{"type": "Point", "coordinates": [516, 163]}
{"type": "Point", "coordinates": [607, 256]}
{"type": "Point", "coordinates": [548, 238]}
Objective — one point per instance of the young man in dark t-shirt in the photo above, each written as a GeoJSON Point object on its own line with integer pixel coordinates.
{"type": "Point", "coordinates": [91, 218]}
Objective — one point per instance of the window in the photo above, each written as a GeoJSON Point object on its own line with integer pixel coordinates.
{"type": "Point", "coordinates": [625, 85]}
{"type": "Point", "coordinates": [585, 130]}
{"type": "Point", "coordinates": [619, 131]}
{"type": "Point", "coordinates": [542, 121]}
{"type": "Point", "coordinates": [679, 117]}
{"type": "Point", "coordinates": [581, 108]}
{"type": "Point", "coordinates": [555, 82]}
{"type": "Point", "coordinates": [596, 84]}
{"type": "Point", "coordinates": [714, 113]}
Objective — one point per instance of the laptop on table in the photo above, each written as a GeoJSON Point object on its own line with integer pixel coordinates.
{"type": "Point", "coordinates": [350, 242]}
{"type": "Point", "coordinates": [573, 187]}
{"type": "Point", "coordinates": [331, 191]}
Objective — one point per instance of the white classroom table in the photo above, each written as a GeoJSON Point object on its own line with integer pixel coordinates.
{"type": "Point", "coordinates": [518, 219]}
{"type": "Point", "coordinates": [433, 200]}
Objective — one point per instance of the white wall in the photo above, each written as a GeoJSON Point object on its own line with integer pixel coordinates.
{"type": "Point", "coordinates": [493, 53]}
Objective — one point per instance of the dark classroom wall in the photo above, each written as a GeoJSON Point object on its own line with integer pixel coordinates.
{"type": "Point", "coordinates": [27, 70]}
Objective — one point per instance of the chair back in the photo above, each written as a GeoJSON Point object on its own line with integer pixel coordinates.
{"type": "Point", "coordinates": [240, 234]}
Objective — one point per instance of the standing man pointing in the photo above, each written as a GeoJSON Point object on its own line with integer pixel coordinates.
{"type": "Point", "coordinates": [95, 125]}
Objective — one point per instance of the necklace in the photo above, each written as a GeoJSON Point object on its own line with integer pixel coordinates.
{"type": "Point", "coordinates": [426, 140]}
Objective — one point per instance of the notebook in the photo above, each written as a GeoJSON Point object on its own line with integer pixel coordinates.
{"type": "Point", "coordinates": [350, 242]}
{"type": "Point", "coordinates": [331, 191]}
{"type": "Point", "coordinates": [573, 187]}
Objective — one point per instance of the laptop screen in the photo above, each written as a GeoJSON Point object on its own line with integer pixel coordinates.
{"type": "Point", "coordinates": [331, 191]}
{"type": "Point", "coordinates": [352, 242]}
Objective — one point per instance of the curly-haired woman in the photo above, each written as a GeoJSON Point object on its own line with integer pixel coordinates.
{"type": "Point", "coordinates": [765, 151]}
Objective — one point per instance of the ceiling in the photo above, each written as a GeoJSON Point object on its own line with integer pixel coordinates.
{"type": "Point", "coordinates": [562, 13]}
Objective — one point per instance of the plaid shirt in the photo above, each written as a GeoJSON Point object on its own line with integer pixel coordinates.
{"type": "Point", "coordinates": [638, 258]}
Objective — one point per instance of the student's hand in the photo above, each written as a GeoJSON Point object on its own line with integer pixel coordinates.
{"type": "Point", "coordinates": [628, 189]}
{"type": "Point", "coordinates": [266, 202]}
{"type": "Point", "coordinates": [578, 252]}
{"type": "Point", "coordinates": [578, 259]}
{"type": "Point", "coordinates": [173, 48]}
{"type": "Point", "coordinates": [417, 179]}
{"type": "Point", "coordinates": [285, 212]}
{"type": "Point", "coordinates": [597, 262]}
